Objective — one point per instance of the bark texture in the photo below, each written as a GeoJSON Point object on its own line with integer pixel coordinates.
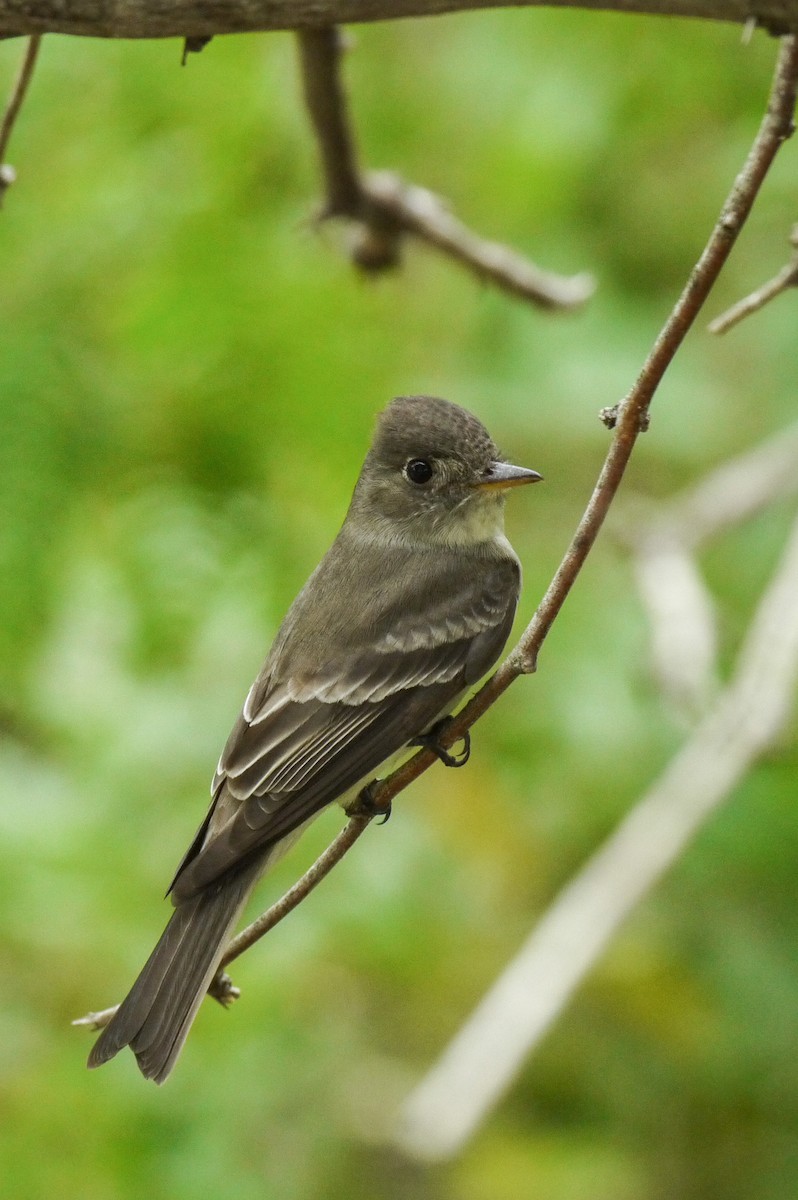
{"type": "Point", "coordinates": [209, 18]}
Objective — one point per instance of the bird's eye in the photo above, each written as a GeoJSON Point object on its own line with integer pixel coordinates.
{"type": "Point", "coordinates": [418, 470]}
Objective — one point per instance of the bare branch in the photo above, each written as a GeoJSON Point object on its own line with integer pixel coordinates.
{"type": "Point", "coordinates": [320, 53]}
{"type": "Point", "coordinates": [422, 213]}
{"type": "Point", "coordinates": [483, 1059]}
{"type": "Point", "coordinates": [95, 1020]}
{"type": "Point", "coordinates": [7, 172]}
{"type": "Point", "coordinates": [631, 415]}
{"type": "Point", "coordinates": [196, 18]}
{"type": "Point", "coordinates": [357, 824]}
{"type": "Point", "coordinates": [384, 209]}
{"type": "Point", "coordinates": [786, 278]}
{"type": "Point", "coordinates": [221, 986]}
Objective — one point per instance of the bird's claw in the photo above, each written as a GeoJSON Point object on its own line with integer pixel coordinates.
{"type": "Point", "coordinates": [367, 804]}
{"type": "Point", "coordinates": [431, 741]}
{"type": "Point", "coordinates": [223, 989]}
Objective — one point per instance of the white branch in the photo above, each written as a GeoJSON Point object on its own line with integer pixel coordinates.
{"type": "Point", "coordinates": [683, 623]}
{"type": "Point", "coordinates": [679, 605]}
{"type": "Point", "coordinates": [485, 1056]}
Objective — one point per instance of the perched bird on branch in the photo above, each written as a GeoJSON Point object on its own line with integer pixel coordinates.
{"type": "Point", "coordinates": [409, 608]}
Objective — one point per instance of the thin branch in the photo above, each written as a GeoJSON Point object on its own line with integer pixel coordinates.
{"type": "Point", "coordinates": [628, 419]}
{"type": "Point", "coordinates": [320, 54]}
{"type": "Point", "coordinates": [357, 824]}
{"type": "Point", "coordinates": [631, 415]}
{"type": "Point", "coordinates": [485, 1056]}
{"type": "Point", "coordinates": [7, 172]}
{"type": "Point", "coordinates": [384, 209]}
{"type": "Point", "coordinates": [420, 212]}
{"type": "Point", "coordinates": [95, 1020]}
{"type": "Point", "coordinates": [221, 986]}
{"type": "Point", "coordinates": [786, 278]}
{"type": "Point", "coordinates": [193, 45]}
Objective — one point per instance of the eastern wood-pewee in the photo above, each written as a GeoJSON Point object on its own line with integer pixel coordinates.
{"type": "Point", "coordinates": [408, 609]}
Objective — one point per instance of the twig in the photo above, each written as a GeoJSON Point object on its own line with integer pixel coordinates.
{"type": "Point", "coordinates": [320, 54]}
{"type": "Point", "coordinates": [631, 415]}
{"type": "Point", "coordinates": [627, 419]}
{"type": "Point", "coordinates": [420, 212]}
{"type": "Point", "coordinates": [221, 986]}
{"type": "Point", "coordinates": [356, 825]}
{"type": "Point", "coordinates": [786, 278]}
{"type": "Point", "coordinates": [193, 45]}
{"type": "Point", "coordinates": [384, 209]}
{"type": "Point", "coordinates": [95, 1020]}
{"type": "Point", "coordinates": [482, 1060]}
{"type": "Point", "coordinates": [7, 172]}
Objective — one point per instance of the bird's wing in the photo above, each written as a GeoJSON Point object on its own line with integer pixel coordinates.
{"type": "Point", "coordinates": [302, 742]}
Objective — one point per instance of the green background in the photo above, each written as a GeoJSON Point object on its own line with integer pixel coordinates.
{"type": "Point", "coordinates": [188, 375]}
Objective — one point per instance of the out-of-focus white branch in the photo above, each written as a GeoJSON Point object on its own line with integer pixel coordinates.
{"type": "Point", "coordinates": [683, 624]}
{"type": "Point", "coordinates": [748, 716]}
{"type": "Point", "coordinates": [680, 608]}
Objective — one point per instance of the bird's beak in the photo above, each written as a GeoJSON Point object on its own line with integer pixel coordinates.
{"type": "Point", "coordinates": [501, 475]}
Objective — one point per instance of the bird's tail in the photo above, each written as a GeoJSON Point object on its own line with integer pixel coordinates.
{"type": "Point", "coordinates": [156, 1015]}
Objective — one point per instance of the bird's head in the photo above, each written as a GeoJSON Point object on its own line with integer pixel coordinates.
{"type": "Point", "coordinates": [433, 476]}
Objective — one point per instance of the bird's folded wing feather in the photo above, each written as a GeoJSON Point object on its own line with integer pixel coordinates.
{"type": "Point", "coordinates": [307, 738]}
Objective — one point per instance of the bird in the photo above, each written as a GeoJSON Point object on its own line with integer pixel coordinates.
{"type": "Point", "coordinates": [409, 608]}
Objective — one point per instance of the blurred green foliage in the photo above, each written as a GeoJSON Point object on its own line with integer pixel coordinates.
{"type": "Point", "coordinates": [188, 374]}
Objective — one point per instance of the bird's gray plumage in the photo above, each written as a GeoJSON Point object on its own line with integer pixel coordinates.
{"type": "Point", "coordinates": [405, 612]}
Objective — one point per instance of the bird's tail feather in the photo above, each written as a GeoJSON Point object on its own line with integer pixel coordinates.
{"type": "Point", "coordinates": [156, 1015]}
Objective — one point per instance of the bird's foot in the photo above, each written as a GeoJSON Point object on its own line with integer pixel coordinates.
{"type": "Point", "coordinates": [368, 804]}
{"type": "Point", "coordinates": [223, 989]}
{"type": "Point", "coordinates": [431, 741]}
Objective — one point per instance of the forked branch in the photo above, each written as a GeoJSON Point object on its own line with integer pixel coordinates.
{"type": "Point", "coordinates": [384, 210]}
{"type": "Point", "coordinates": [786, 278]}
